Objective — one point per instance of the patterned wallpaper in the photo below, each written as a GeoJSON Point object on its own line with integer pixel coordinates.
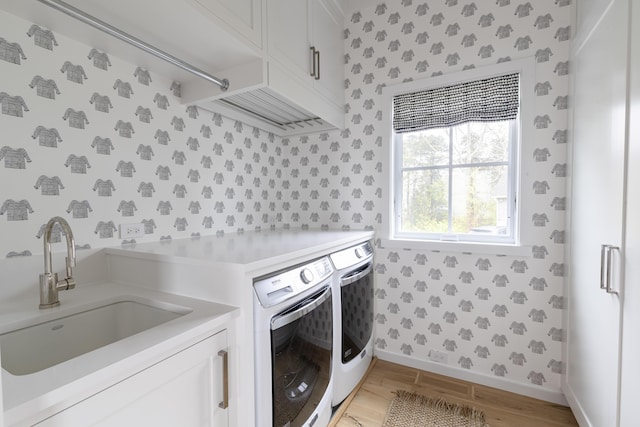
{"type": "Point", "coordinates": [499, 316]}
{"type": "Point", "coordinates": [102, 142]}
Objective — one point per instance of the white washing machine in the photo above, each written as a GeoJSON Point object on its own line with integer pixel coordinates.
{"type": "Point", "coordinates": [353, 317]}
{"type": "Point", "coordinates": [293, 321]}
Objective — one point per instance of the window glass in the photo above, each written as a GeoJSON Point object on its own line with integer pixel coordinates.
{"type": "Point", "coordinates": [457, 182]}
{"type": "Point", "coordinates": [425, 201]}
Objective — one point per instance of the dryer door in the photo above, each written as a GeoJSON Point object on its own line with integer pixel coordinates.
{"type": "Point", "coordinates": [356, 293]}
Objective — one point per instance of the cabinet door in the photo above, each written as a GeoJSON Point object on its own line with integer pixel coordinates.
{"type": "Point", "coordinates": [588, 12]}
{"type": "Point", "coordinates": [182, 390]}
{"type": "Point", "coordinates": [243, 16]}
{"type": "Point", "coordinates": [288, 36]}
{"type": "Point", "coordinates": [328, 39]}
{"type": "Point", "coordinates": [599, 141]}
{"type": "Point", "coordinates": [630, 393]}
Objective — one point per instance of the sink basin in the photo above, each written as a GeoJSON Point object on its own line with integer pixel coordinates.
{"type": "Point", "coordinates": [33, 348]}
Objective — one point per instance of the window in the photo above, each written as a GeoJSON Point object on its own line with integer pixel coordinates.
{"type": "Point", "coordinates": [456, 182]}
{"type": "Point", "coordinates": [455, 165]}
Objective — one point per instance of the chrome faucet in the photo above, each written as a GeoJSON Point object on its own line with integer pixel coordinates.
{"type": "Point", "coordinates": [49, 285]}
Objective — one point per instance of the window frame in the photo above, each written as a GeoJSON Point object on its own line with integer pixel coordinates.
{"type": "Point", "coordinates": [521, 234]}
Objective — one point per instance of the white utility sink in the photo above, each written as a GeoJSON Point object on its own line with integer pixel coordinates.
{"type": "Point", "coordinates": [40, 346]}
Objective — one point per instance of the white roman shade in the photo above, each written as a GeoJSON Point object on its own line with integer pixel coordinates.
{"type": "Point", "coordinates": [485, 100]}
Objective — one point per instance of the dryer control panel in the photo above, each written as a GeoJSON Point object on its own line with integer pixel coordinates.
{"type": "Point", "coordinates": [352, 256]}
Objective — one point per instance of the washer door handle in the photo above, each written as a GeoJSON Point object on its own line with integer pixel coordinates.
{"type": "Point", "coordinates": [305, 307]}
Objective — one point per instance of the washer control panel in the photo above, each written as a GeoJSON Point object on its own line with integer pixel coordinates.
{"type": "Point", "coordinates": [280, 287]}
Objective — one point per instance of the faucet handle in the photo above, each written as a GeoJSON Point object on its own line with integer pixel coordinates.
{"type": "Point", "coordinates": [66, 284]}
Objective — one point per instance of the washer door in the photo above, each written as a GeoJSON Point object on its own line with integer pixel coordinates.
{"type": "Point", "coordinates": [301, 348]}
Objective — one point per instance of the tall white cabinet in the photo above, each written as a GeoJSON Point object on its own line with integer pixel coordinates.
{"type": "Point", "coordinates": [630, 392]}
{"type": "Point", "coordinates": [600, 270]}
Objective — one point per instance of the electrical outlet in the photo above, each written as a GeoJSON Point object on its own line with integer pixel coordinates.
{"type": "Point", "coordinates": [438, 356]}
{"type": "Point", "coordinates": [129, 231]}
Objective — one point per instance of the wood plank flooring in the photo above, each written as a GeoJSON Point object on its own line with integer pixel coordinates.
{"type": "Point", "coordinates": [367, 406]}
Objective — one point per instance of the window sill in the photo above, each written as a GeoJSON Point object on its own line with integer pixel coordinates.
{"type": "Point", "coordinates": [458, 247]}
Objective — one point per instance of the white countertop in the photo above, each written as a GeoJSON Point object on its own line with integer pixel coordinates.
{"type": "Point", "coordinates": [252, 250]}
{"type": "Point", "coordinates": [26, 396]}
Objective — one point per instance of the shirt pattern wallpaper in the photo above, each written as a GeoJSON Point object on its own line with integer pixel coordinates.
{"type": "Point", "coordinates": [104, 142]}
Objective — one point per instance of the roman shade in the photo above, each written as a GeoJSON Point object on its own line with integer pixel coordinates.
{"type": "Point", "coordinates": [485, 100]}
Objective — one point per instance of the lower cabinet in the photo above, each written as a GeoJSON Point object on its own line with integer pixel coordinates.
{"type": "Point", "coordinates": [186, 389]}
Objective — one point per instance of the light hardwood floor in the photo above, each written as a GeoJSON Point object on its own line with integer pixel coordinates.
{"type": "Point", "coordinates": [367, 406]}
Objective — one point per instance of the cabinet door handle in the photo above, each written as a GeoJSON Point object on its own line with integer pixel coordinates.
{"type": "Point", "coordinates": [313, 59]}
{"type": "Point", "coordinates": [603, 251]}
{"type": "Point", "coordinates": [609, 271]}
{"type": "Point", "coordinates": [225, 379]}
{"type": "Point", "coordinates": [318, 62]}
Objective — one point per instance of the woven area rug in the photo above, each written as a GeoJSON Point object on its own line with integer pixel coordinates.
{"type": "Point", "coordinates": [415, 410]}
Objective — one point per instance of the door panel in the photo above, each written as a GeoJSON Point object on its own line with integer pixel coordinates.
{"type": "Point", "coordinates": [630, 394]}
{"type": "Point", "coordinates": [182, 390]}
{"type": "Point", "coordinates": [288, 35]}
{"type": "Point", "coordinates": [244, 16]}
{"type": "Point", "coordinates": [328, 39]}
{"type": "Point", "coordinates": [593, 343]}
{"type": "Point", "coordinates": [588, 11]}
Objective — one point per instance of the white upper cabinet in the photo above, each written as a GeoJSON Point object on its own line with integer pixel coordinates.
{"type": "Point", "coordinates": [328, 40]}
{"type": "Point", "coordinates": [288, 37]}
{"type": "Point", "coordinates": [306, 39]}
{"type": "Point", "coordinates": [243, 17]}
{"type": "Point", "coordinates": [297, 86]}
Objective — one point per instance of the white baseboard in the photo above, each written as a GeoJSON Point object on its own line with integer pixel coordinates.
{"type": "Point", "coordinates": [575, 405]}
{"type": "Point", "coordinates": [554, 396]}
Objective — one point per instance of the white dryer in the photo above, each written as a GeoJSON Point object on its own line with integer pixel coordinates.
{"type": "Point", "coordinates": [353, 317]}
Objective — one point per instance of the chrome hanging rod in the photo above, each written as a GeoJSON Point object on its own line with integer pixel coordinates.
{"type": "Point", "coordinates": [128, 38]}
